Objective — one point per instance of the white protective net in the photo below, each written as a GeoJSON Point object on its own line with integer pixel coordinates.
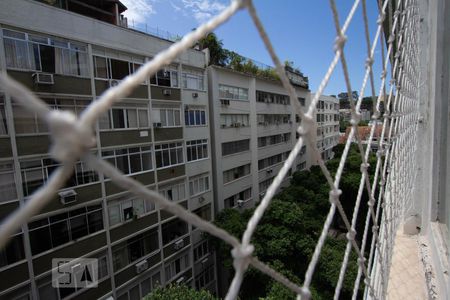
{"type": "Point", "coordinates": [394, 174]}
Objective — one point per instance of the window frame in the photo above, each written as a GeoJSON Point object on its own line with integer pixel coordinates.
{"type": "Point", "coordinates": [159, 148]}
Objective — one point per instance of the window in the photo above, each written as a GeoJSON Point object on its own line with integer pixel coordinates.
{"type": "Point", "coordinates": [272, 98]}
{"type": "Point", "coordinates": [235, 173]}
{"type": "Point", "coordinates": [130, 160]}
{"type": "Point", "coordinates": [120, 118]}
{"type": "Point", "coordinates": [170, 117]}
{"type": "Point", "coordinates": [199, 185]}
{"type": "Point", "coordinates": [109, 68]}
{"type": "Point", "coordinates": [7, 182]}
{"type": "Point", "coordinates": [173, 230]}
{"type": "Point", "coordinates": [145, 287]}
{"type": "Point", "coordinates": [166, 77]}
{"type": "Point", "coordinates": [62, 228]}
{"type": "Point", "coordinates": [302, 101]}
{"type": "Point", "coordinates": [204, 212]}
{"type": "Point", "coordinates": [232, 93]}
{"type": "Point", "coordinates": [195, 116]}
{"type": "Point", "coordinates": [301, 166]}
{"type": "Point", "coordinates": [192, 79]}
{"type": "Point", "coordinates": [3, 125]}
{"type": "Point", "coordinates": [134, 248]}
{"type": "Point", "coordinates": [127, 208]}
{"type": "Point", "coordinates": [234, 120]}
{"type": "Point", "coordinates": [232, 201]}
{"type": "Point", "coordinates": [272, 160]}
{"type": "Point", "coordinates": [169, 154]}
{"type": "Point", "coordinates": [197, 149]}
{"type": "Point", "coordinates": [205, 277]}
{"type": "Point", "coordinates": [273, 139]}
{"type": "Point", "coordinates": [47, 54]}
{"type": "Point", "coordinates": [264, 185]}
{"type": "Point", "coordinates": [36, 172]}
{"type": "Point", "coordinates": [272, 119]}
{"type": "Point", "coordinates": [174, 192]}
{"type": "Point", "coordinates": [26, 122]}
{"type": "Point", "coordinates": [235, 147]}
{"type": "Point", "coordinates": [201, 250]}
{"type": "Point", "coordinates": [13, 252]}
{"type": "Point", "coordinates": [177, 266]}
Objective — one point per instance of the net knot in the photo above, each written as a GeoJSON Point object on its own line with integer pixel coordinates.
{"type": "Point", "coordinates": [242, 255]}
{"type": "Point", "coordinates": [307, 125]}
{"type": "Point", "coordinates": [369, 62]}
{"type": "Point", "coordinates": [334, 195]}
{"type": "Point", "coordinates": [70, 140]}
{"type": "Point", "coordinates": [381, 18]}
{"type": "Point", "coordinates": [351, 235]}
{"type": "Point", "coordinates": [339, 42]}
{"type": "Point", "coordinates": [356, 117]}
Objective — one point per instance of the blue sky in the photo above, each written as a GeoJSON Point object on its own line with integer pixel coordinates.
{"type": "Point", "coordinates": [301, 31]}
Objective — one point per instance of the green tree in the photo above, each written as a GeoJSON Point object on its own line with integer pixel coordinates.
{"type": "Point", "coordinates": [287, 234]}
{"type": "Point", "coordinates": [217, 54]}
{"type": "Point", "coordinates": [179, 292]}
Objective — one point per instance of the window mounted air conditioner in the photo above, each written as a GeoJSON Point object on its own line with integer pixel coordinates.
{"type": "Point", "coordinates": [178, 244]}
{"type": "Point", "coordinates": [141, 266]}
{"type": "Point", "coordinates": [157, 125]}
{"type": "Point", "coordinates": [195, 95]}
{"type": "Point", "coordinates": [225, 102]}
{"type": "Point", "coordinates": [67, 197]}
{"type": "Point", "coordinates": [266, 123]}
{"type": "Point", "coordinates": [43, 78]}
{"type": "Point", "coordinates": [167, 92]}
{"type": "Point", "coordinates": [240, 203]}
{"type": "Point", "coordinates": [113, 82]}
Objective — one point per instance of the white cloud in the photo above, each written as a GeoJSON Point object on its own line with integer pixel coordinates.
{"type": "Point", "coordinates": [176, 7]}
{"type": "Point", "coordinates": [138, 10]}
{"type": "Point", "coordinates": [203, 10]}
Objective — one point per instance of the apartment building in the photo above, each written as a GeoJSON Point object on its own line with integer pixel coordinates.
{"type": "Point", "coordinates": [252, 133]}
{"type": "Point", "coordinates": [327, 116]}
{"type": "Point", "coordinates": [69, 54]}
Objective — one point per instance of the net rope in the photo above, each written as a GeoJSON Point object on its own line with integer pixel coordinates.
{"type": "Point", "coordinates": [394, 173]}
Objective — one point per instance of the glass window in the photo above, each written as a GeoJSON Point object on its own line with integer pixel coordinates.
{"type": "Point", "coordinates": [168, 154]}
{"type": "Point", "coordinates": [119, 68]}
{"type": "Point", "coordinates": [197, 149]}
{"type": "Point", "coordinates": [195, 117]}
{"type": "Point", "coordinates": [7, 182]}
{"type": "Point", "coordinates": [235, 147]}
{"type": "Point", "coordinates": [130, 160]}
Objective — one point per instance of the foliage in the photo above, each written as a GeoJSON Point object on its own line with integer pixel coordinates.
{"type": "Point", "coordinates": [225, 58]}
{"type": "Point", "coordinates": [217, 55]}
{"type": "Point", "coordinates": [179, 292]}
{"type": "Point", "coordinates": [289, 229]}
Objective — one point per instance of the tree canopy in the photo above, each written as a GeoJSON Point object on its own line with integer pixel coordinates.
{"type": "Point", "coordinates": [179, 292]}
{"type": "Point", "coordinates": [288, 232]}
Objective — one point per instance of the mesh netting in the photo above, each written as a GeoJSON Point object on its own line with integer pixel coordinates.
{"type": "Point", "coordinates": [388, 191]}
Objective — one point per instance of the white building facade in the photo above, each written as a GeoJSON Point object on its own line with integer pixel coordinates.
{"type": "Point", "coordinates": [253, 129]}
{"type": "Point", "coordinates": [327, 116]}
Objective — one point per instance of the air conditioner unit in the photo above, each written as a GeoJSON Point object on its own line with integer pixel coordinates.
{"type": "Point", "coordinates": [266, 123]}
{"type": "Point", "coordinates": [262, 194]}
{"type": "Point", "coordinates": [240, 203]}
{"type": "Point", "coordinates": [237, 124]}
{"type": "Point", "coordinates": [178, 244]}
{"type": "Point", "coordinates": [223, 125]}
{"type": "Point", "coordinates": [113, 82]}
{"type": "Point", "coordinates": [43, 78]}
{"type": "Point", "coordinates": [66, 197]}
{"type": "Point", "coordinates": [225, 102]}
{"type": "Point", "coordinates": [194, 95]}
{"type": "Point", "coordinates": [180, 280]}
{"type": "Point", "coordinates": [167, 92]}
{"type": "Point", "coordinates": [141, 266]}
{"type": "Point", "coordinates": [269, 171]}
{"type": "Point", "coordinates": [157, 125]}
